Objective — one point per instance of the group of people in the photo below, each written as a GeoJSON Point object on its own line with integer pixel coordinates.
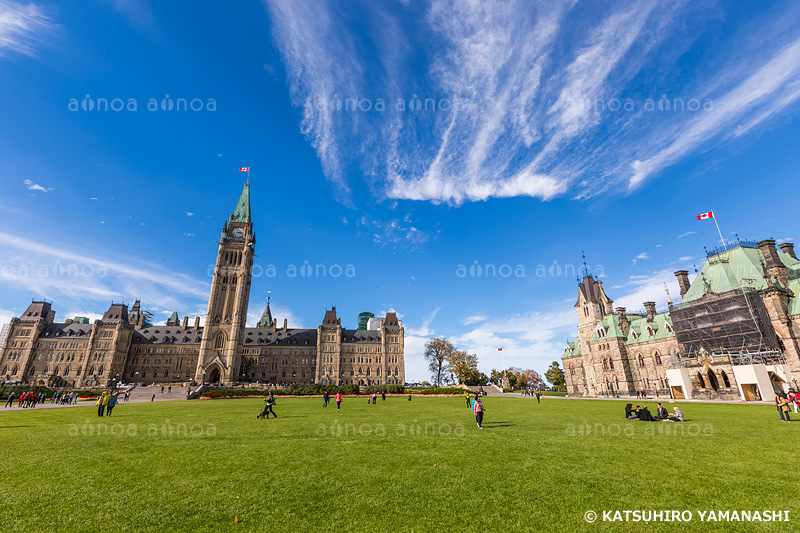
{"type": "Point", "coordinates": [31, 399]}
{"type": "Point", "coordinates": [783, 402]}
{"type": "Point", "coordinates": [643, 413]}
{"type": "Point", "coordinates": [476, 406]}
{"type": "Point", "coordinates": [530, 393]}
{"type": "Point", "coordinates": [106, 404]}
{"type": "Point", "coordinates": [641, 394]}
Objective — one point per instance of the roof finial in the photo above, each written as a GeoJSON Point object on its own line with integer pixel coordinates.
{"type": "Point", "coordinates": [269, 296]}
{"type": "Point", "coordinates": [666, 289]}
{"type": "Point", "coordinates": [586, 272]}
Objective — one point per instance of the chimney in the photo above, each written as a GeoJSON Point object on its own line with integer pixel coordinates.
{"type": "Point", "coordinates": [285, 324]}
{"type": "Point", "coordinates": [68, 321]}
{"type": "Point", "coordinates": [775, 267]}
{"type": "Point", "coordinates": [196, 323]}
{"type": "Point", "coordinates": [650, 307]}
{"type": "Point", "coordinates": [788, 249]}
{"type": "Point", "coordinates": [624, 325]}
{"type": "Point", "coordinates": [185, 323]}
{"type": "Point", "coordinates": [51, 316]}
{"type": "Point", "coordinates": [683, 281]}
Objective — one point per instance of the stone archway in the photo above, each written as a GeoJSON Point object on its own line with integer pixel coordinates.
{"type": "Point", "coordinates": [214, 375]}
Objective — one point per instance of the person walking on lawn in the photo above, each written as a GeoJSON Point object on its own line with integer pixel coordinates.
{"type": "Point", "coordinates": [338, 401]}
{"type": "Point", "coordinates": [101, 404]}
{"type": "Point", "coordinates": [112, 402]}
{"type": "Point", "coordinates": [783, 407]}
{"type": "Point", "coordinates": [478, 409]}
{"type": "Point", "coordinates": [325, 399]}
{"type": "Point", "coordinates": [374, 398]}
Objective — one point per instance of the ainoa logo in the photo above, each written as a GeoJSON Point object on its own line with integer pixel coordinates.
{"type": "Point", "coordinates": [131, 104]}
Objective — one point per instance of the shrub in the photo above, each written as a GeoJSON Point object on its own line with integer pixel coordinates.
{"type": "Point", "coordinates": [19, 389]}
{"type": "Point", "coordinates": [388, 389]}
{"type": "Point", "coordinates": [440, 390]}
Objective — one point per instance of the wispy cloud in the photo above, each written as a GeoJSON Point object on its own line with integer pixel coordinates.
{"type": "Point", "coordinates": [36, 187]}
{"type": "Point", "coordinates": [62, 274]}
{"type": "Point", "coordinates": [682, 235]}
{"type": "Point", "coordinates": [23, 28]}
{"type": "Point", "coordinates": [517, 98]}
{"type": "Point", "coordinates": [474, 319]}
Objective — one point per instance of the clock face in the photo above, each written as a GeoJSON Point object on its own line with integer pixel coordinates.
{"type": "Point", "coordinates": [238, 233]}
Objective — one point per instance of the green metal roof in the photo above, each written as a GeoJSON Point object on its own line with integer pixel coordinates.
{"type": "Point", "coordinates": [573, 348]}
{"type": "Point", "coordinates": [658, 327]}
{"type": "Point", "coordinates": [739, 268]}
{"type": "Point", "coordinates": [242, 211]}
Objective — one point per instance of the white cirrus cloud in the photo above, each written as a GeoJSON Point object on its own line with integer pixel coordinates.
{"type": "Point", "coordinates": [35, 186]}
{"type": "Point", "coordinates": [23, 28]}
{"type": "Point", "coordinates": [529, 91]}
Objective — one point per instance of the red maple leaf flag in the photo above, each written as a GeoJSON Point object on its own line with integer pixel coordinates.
{"type": "Point", "coordinates": [244, 169]}
{"type": "Point", "coordinates": [500, 349]}
{"type": "Point", "coordinates": [704, 216]}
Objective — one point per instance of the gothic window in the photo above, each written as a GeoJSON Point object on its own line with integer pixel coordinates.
{"type": "Point", "coordinates": [658, 357]}
{"type": "Point", "coordinates": [641, 360]}
{"type": "Point", "coordinates": [611, 363]}
{"type": "Point", "coordinates": [91, 371]}
{"type": "Point", "coordinates": [14, 372]}
{"type": "Point", "coordinates": [219, 341]}
{"type": "Point", "coordinates": [100, 372]}
{"type": "Point", "coordinates": [701, 381]}
{"type": "Point", "coordinates": [725, 379]}
{"type": "Point", "coordinates": [585, 310]}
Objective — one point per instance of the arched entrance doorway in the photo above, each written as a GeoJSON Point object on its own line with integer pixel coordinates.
{"type": "Point", "coordinates": [213, 376]}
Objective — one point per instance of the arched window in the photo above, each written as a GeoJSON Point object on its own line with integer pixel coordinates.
{"type": "Point", "coordinates": [100, 372]}
{"type": "Point", "coordinates": [641, 360]}
{"type": "Point", "coordinates": [725, 380]}
{"type": "Point", "coordinates": [91, 371]}
{"type": "Point", "coordinates": [611, 363]}
{"type": "Point", "coordinates": [66, 371]}
{"type": "Point", "coordinates": [14, 372]}
{"type": "Point", "coordinates": [701, 381]}
{"type": "Point", "coordinates": [712, 380]}
{"type": "Point", "coordinates": [657, 357]}
{"type": "Point", "coordinates": [219, 340]}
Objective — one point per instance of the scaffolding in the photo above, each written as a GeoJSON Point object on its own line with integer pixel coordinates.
{"type": "Point", "coordinates": [733, 323]}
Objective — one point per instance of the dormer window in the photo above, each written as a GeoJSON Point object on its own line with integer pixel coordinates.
{"type": "Point", "coordinates": [669, 328]}
{"type": "Point", "coordinates": [635, 335]}
{"type": "Point", "coordinates": [585, 310]}
{"type": "Point", "coordinates": [650, 331]}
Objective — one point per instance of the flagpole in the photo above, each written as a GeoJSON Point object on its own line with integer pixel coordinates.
{"type": "Point", "coordinates": [724, 246]}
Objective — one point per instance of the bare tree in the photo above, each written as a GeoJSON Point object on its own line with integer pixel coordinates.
{"type": "Point", "coordinates": [437, 353]}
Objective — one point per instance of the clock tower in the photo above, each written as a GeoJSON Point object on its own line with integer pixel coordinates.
{"type": "Point", "coordinates": [223, 333]}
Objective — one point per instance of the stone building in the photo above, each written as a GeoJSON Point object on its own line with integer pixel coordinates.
{"type": "Point", "coordinates": [733, 335]}
{"type": "Point", "coordinates": [123, 346]}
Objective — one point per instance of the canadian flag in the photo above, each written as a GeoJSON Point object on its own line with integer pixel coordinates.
{"type": "Point", "coordinates": [704, 216]}
{"type": "Point", "coordinates": [500, 349]}
{"type": "Point", "coordinates": [244, 169]}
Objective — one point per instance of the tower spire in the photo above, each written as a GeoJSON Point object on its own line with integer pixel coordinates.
{"type": "Point", "coordinates": [242, 211]}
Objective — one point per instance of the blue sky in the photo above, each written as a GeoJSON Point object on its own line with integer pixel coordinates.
{"type": "Point", "coordinates": [409, 141]}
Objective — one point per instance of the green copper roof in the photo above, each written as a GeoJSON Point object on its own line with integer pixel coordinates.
{"type": "Point", "coordinates": [242, 211]}
{"type": "Point", "coordinates": [660, 328]}
{"type": "Point", "coordinates": [266, 319]}
{"type": "Point", "coordinates": [573, 348]}
{"type": "Point", "coordinates": [173, 318]}
{"type": "Point", "coordinates": [741, 267]}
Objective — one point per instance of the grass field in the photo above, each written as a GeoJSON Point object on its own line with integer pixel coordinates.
{"type": "Point", "coordinates": [534, 467]}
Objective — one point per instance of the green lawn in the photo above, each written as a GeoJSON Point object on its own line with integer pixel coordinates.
{"type": "Point", "coordinates": [533, 467]}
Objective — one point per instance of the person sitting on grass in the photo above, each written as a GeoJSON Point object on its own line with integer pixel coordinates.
{"type": "Point", "coordinates": [629, 414]}
{"type": "Point", "coordinates": [645, 415]}
{"type": "Point", "coordinates": [678, 416]}
{"type": "Point", "coordinates": [661, 413]}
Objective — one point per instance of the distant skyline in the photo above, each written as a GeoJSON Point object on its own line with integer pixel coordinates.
{"type": "Point", "coordinates": [407, 145]}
